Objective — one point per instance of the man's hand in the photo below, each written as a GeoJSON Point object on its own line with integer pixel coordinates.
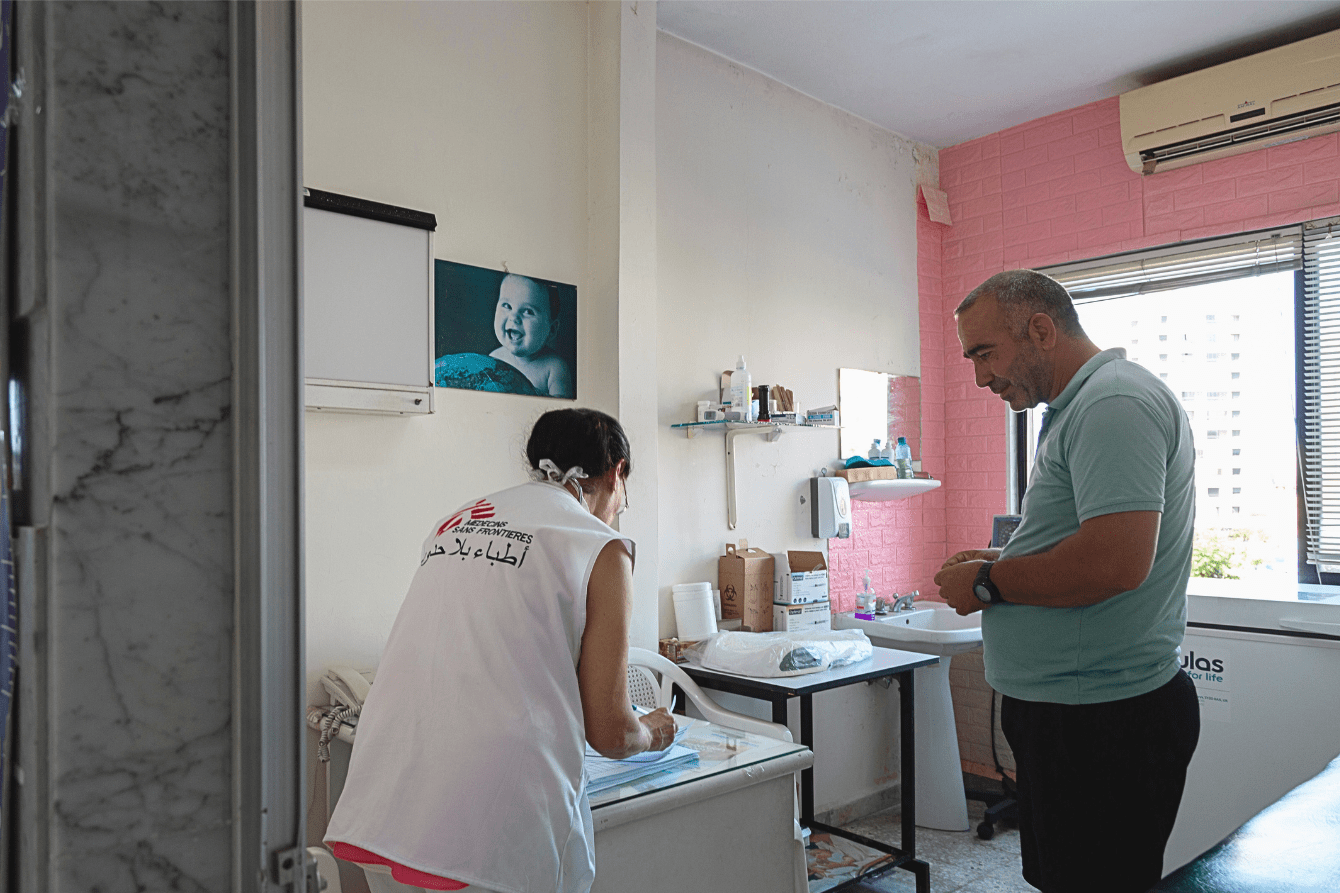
{"type": "Point", "coordinates": [971, 555]}
{"type": "Point", "coordinates": [955, 580]}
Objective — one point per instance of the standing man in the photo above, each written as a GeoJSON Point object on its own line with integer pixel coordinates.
{"type": "Point", "coordinates": [1084, 610]}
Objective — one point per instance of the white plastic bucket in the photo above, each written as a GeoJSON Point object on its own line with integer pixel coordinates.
{"type": "Point", "coordinates": [694, 615]}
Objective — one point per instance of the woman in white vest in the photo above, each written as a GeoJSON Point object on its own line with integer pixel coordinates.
{"type": "Point", "coordinates": [509, 653]}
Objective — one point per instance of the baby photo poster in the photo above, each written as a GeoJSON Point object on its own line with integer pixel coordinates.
{"type": "Point", "coordinates": [501, 331]}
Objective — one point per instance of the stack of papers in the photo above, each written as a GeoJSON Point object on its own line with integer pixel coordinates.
{"type": "Point", "coordinates": [604, 773]}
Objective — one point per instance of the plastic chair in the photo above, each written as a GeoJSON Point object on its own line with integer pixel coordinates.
{"type": "Point", "coordinates": [651, 682]}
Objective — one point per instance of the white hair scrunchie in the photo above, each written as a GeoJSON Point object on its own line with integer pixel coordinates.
{"type": "Point", "coordinates": [548, 471]}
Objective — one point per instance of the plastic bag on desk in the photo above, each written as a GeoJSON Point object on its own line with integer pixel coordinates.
{"type": "Point", "coordinates": [780, 654]}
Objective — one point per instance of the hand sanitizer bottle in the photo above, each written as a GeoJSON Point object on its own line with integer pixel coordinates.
{"type": "Point", "coordinates": [865, 601]}
{"type": "Point", "coordinates": [874, 451]}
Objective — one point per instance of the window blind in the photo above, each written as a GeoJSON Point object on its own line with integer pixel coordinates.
{"type": "Point", "coordinates": [1320, 453]}
{"type": "Point", "coordinates": [1180, 266]}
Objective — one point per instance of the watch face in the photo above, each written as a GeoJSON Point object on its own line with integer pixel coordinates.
{"type": "Point", "coordinates": [982, 593]}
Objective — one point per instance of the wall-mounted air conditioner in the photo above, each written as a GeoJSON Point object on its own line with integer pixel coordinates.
{"type": "Point", "coordinates": [1285, 94]}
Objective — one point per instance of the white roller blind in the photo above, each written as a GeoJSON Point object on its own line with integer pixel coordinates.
{"type": "Point", "coordinates": [1320, 453]}
{"type": "Point", "coordinates": [1179, 266]}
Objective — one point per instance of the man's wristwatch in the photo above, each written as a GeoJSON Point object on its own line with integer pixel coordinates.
{"type": "Point", "coordinates": [983, 588]}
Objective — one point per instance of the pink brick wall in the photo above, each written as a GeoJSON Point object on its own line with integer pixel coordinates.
{"type": "Point", "coordinates": [1052, 190]}
{"type": "Point", "coordinates": [1058, 189]}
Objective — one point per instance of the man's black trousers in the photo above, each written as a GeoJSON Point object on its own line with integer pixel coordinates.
{"type": "Point", "coordinates": [1099, 786]}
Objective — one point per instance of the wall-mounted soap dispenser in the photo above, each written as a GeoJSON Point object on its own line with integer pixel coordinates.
{"type": "Point", "coordinates": [830, 508]}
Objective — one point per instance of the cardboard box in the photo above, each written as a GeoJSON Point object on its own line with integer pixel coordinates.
{"type": "Point", "coordinates": [792, 618]}
{"type": "Point", "coordinates": [800, 578]}
{"type": "Point", "coordinates": [744, 577]}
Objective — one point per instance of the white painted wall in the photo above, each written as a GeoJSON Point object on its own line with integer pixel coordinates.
{"type": "Point", "coordinates": [786, 232]}
{"type": "Point", "coordinates": [476, 112]}
{"type": "Point", "coordinates": [729, 215]}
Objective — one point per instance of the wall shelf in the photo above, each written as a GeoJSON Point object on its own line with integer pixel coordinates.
{"type": "Point", "coordinates": [889, 490]}
{"type": "Point", "coordinates": [770, 430]}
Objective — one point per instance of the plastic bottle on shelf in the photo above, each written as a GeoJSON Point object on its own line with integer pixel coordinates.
{"type": "Point", "coordinates": [874, 450]}
{"type": "Point", "coordinates": [903, 458]}
{"type": "Point", "coordinates": [741, 390]}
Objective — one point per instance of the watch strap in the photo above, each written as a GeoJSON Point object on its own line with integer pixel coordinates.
{"type": "Point", "coordinates": [983, 581]}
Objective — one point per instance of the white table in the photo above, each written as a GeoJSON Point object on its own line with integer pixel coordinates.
{"type": "Point", "coordinates": [727, 823]}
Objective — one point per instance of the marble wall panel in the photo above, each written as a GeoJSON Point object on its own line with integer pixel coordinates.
{"type": "Point", "coordinates": [141, 594]}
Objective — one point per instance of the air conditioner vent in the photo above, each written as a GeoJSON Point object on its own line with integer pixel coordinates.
{"type": "Point", "coordinates": [1266, 134]}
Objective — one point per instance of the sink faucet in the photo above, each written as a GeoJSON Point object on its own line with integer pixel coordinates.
{"type": "Point", "coordinates": [904, 602]}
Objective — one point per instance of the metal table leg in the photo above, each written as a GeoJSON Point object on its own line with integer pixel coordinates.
{"type": "Point", "coordinates": [907, 736]}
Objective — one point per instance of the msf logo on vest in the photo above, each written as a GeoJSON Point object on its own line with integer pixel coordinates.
{"type": "Point", "coordinates": [478, 511]}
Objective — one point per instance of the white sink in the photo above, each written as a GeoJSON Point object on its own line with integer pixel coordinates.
{"type": "Point", "coordinates": [928, 629]}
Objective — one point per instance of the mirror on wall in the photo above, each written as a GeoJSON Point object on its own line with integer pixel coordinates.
{"type": "Point", "coordinates": [878, 405]}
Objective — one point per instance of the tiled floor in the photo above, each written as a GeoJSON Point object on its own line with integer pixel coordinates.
{"type": "Point", "coordinates": [960, 861]}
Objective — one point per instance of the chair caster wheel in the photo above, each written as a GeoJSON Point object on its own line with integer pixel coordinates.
{"type": "Point", "coordinates": [986, 830]}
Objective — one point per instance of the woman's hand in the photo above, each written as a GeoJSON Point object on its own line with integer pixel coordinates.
{"type": "Point", "coordinates": [661, 725]}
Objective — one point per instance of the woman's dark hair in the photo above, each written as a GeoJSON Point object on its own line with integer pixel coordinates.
{"type": "Point", "coordinates": [585, 437]}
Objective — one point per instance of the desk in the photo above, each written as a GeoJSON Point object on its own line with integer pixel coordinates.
{"type": "Point", "coordinates": [885, 662]}
{"type": "Point", "coordinates": [727, 824]}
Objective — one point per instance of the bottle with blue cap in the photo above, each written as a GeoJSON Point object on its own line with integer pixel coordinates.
{"type": "Point", "coordinates": [902, 458]}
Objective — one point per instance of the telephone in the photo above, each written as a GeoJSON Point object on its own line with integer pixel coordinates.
{"type": "Point", "coordinates": [347, 687]}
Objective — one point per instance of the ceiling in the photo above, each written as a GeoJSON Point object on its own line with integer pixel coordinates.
{"type": "Point", "coordinates": [945, 71]}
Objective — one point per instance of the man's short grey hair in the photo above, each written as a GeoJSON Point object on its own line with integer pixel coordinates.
{"type": "Point", "coordinates": [1022, 293]}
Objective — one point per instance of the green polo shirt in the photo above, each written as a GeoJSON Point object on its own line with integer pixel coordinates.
{"type": "Point", "coordinates": [1114, 440]}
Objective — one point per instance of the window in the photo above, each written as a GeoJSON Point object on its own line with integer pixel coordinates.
{"type": "Point", "coordinates": [1214, 491]}
{"type": "Point", "coordinates": [1236, 509]}
{"type": "Point", "coordinates": [1133, 341]}
{"type": "Point", "coordinates": [1196, 280]}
